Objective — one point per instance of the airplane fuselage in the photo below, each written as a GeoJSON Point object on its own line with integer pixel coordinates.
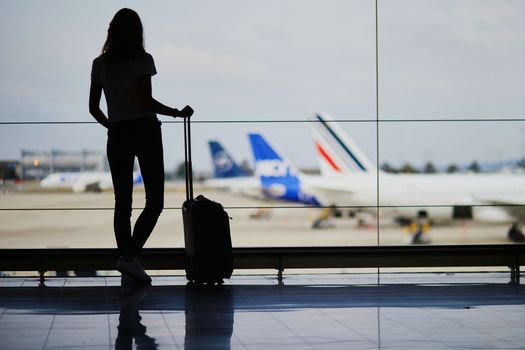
{"type": "Point", "coordinates": [437, 194]}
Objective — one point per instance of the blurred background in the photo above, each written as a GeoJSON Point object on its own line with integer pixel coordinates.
{"type": "Point", "coordinates": [449, 101]}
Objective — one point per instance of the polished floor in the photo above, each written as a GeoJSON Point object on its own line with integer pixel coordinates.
{"type": "Point", "coordinates": [313, 311]}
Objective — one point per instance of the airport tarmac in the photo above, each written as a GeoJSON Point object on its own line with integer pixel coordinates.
{"type": "Point", "coordinates": [84, 220]}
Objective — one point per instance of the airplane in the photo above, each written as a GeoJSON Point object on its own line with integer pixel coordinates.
{"type": "Point", "coordinates": [83, 181]}
{"type": "Point", "coordinates": [255, 186]}
{"type": "Point", "coordinates": [351, 179]}
{"type": "Point", "coordinates": [278, 178]}
{"type": "Point", "coordinates": [224, 166]}
{"type": "Point", "coordinates": [281, 180]}
{"type": "Point", "coordinates": [228, 175]}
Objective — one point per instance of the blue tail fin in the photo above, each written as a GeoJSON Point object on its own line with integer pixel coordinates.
{"type": "Point", "coordinates": [279, 180]}
{"type": "Point", "coordinates": [223, 164]}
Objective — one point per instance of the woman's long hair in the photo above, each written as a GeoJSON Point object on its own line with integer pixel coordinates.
{"type": "Point", "coordinates": [125, 36]}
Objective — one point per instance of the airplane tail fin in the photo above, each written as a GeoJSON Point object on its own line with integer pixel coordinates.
{"type": "Point", "coordinates": [336, 152]}
{"type": "Point", "coordinates": [279, 179]}
{"type": "Point", "coordinates": [224, 165]}
{"type": "Point", "coordinates": [137, 177]}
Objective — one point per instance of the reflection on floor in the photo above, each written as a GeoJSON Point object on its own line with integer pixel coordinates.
{"type": "Point", "coordinates": [318, 311]}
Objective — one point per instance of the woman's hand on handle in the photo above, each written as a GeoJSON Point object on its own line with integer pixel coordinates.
{"type": "Point", "coordinates": [187, 112]}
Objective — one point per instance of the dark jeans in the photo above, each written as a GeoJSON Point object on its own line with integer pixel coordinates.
{"type": "Point", "coordinates": [139, 138]}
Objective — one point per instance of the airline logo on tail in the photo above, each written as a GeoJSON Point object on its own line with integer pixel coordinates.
{"type": "Point", "coordinates": [337, 153]}
{"type": "Point", "coordinates": [223, 164]}
{"type": "Point", "coordinates": [279, 180]}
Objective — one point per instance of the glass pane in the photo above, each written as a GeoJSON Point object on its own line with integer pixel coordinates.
{"type": "Point", "coordinates": [462, 180]}
{"type": "Point", "coordinates": [450, 59]}
{"type": "Point", "coordinates": [442, 62]}
{"type": "Point", "coordinates": [255, 63]}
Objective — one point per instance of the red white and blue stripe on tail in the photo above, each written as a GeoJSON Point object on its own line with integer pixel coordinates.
{"type": "Point", "coordinates": [336, 152]}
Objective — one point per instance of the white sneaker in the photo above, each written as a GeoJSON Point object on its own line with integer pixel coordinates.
{"type": "Point", "coordinates": [133, 268]}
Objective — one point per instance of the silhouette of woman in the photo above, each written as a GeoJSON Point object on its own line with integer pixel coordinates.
{"type": "Point", "coordinates": [123, 71]}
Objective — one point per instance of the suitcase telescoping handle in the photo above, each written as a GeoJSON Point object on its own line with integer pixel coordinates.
{"type": "Point", "coordinates": [187, 159]}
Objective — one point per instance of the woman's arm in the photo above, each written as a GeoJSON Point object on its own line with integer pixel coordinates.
{"type": "Point", "coordinates": [95, 92]}
{"type": "Point", "coordinates": [149, 103]}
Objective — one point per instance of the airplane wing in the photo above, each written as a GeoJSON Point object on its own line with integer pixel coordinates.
{"type": "Point", "coordinates": [328, 192]}
{"type": "Point", "coordinates": [331, 189]}
{"type": "Point", "coordinates": [516, 210]}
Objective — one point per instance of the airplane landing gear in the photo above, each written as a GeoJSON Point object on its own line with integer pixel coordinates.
{"type": "Point", "coordinates": [515, 234]}
{"type": "Point", "coordinates": [323, 221]}
{"type": "Point", "coordinates": [420, 238]}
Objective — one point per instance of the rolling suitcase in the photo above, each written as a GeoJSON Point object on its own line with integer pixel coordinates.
{"type": "Point", "coordinates": [207, 240]}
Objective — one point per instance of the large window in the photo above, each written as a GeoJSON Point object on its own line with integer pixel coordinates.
{"type": "Point", "coordinates": [443, 121]}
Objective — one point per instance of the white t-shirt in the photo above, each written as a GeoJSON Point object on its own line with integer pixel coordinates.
{"type": "Point", "coordinates": [119, 81]}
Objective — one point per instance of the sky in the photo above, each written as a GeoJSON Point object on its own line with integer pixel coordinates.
{"type": "Point", "coordinates": [237, 60]}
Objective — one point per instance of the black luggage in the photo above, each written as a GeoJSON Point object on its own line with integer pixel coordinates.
{"type": "Point", "coordinates": [207, 241]}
